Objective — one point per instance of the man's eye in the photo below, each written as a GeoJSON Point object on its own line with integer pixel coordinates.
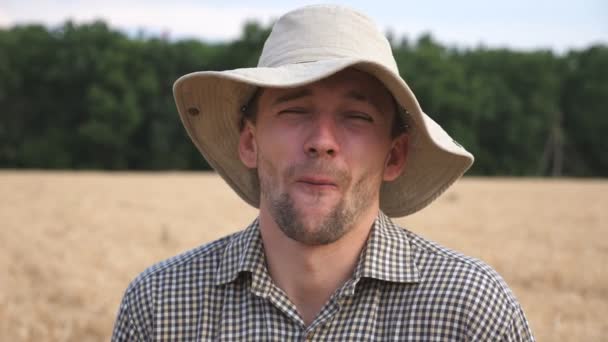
{"type": "Point", "coordinates": [293, 111]}
{"type": "Point", "coordinates": [359, 116]}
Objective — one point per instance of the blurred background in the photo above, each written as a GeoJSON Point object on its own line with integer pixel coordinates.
{"type": "Point", "coordinates": [85, 88]}
{"type": "Point", "coordinates": [87, 84]}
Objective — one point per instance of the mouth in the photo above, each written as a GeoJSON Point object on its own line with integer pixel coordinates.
{"type": "Point", "coordinates": [318, 182]}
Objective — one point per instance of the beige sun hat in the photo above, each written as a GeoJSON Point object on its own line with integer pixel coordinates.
{"type": "Point", "coordinates": [306, 45]}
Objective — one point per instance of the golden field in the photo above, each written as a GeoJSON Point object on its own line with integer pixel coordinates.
{"type": "Point", "coordinates": [70, 242]}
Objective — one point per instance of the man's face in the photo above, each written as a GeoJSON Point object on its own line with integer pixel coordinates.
{"type": "Point", "coordinates": [322, 152]}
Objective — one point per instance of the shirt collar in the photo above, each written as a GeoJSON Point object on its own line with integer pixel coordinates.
{"type": "Point", "coordinates": [244, 253]}
{"type": "Point", "coordinates": [387, 256]}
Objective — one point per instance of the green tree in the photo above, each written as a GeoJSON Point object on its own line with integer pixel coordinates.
{"type": "Point", "coordinates": [584, 103]}
{"type": "Point", "coordinates": [87, 96]}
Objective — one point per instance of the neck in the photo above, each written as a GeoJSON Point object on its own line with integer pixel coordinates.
{"type": "Point", "coordinates": [310, 274]}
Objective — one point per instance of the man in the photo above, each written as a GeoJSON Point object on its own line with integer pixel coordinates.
{"type": "Point", "coordinates": [327, 140]}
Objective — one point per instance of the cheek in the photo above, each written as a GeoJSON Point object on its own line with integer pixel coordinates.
{"type": "Point", "coordinates": [277, 142]}
{"type": "Point", "coordinates": [274, 153]}
{"type": "Point", "coordinates": [370, 151]}
{"type": "Point", "coordinates": [267, 172]}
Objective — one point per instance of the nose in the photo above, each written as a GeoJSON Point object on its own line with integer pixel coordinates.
{"type": "Point", "coordinates": [322, 140]}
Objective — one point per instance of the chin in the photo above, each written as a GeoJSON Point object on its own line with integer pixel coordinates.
{"type": "Point", "coordinates": [316, 233]}
{"type": "Point", "coordinates": [316, 210]}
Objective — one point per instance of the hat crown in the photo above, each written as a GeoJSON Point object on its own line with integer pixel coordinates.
{"type": "Point", "coordinates": [323, 32]}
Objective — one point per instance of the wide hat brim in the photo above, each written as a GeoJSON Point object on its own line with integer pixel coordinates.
{"type": "Point", "coordinates": [210, 102]}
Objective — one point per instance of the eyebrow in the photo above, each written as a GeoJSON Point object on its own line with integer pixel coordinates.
{"type": "Point", "coordinates": [293, 95]}
{"type": "Point", "coordinates": [355, 95]}
{"type": "Point", "coordinates": [305, 92]}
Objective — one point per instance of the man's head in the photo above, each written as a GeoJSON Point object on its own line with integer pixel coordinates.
{"type": "Point", "coordinates": [310, 47]}
{"type": "Point", "coordinates": [322, 151]}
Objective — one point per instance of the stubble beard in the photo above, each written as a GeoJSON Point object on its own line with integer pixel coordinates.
{"type": "Point", "coordinates": [330, 228]}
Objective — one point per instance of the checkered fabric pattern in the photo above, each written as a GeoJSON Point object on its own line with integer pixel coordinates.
{"type": "Point", "coordinates": [404, 288]}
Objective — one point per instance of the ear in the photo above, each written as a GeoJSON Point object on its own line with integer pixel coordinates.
{"type": "Point", "coordinates": [397, 156]}
{"type": "Point", "coordinates": [248, 151]}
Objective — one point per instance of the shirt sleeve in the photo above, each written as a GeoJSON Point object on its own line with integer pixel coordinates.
{"type": "Point", "coordinates": [519, 329]}
{"type": "Point", "coordinates": [126, 327]}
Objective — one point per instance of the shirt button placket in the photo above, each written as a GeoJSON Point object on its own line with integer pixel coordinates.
{"type": "Point", "coordinates": [306, 336]}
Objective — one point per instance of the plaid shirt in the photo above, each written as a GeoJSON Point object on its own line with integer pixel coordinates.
{"type": "Point", "coordinates": [404, 288]}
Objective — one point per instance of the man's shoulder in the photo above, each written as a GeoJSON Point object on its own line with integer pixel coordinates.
{"type": "Point", "coordinates": [448, 291]}
{"type": "Point", "coordinates": [440, 263]}
{"type": "Point", "coordinates": [468, 285]}
{"type": "Point", "coordinates": [199, 263]}
{"type": "Point", "coordinates": [186, 280]}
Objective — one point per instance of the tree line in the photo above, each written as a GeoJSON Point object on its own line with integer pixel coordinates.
{"type": "Point", "coordinates": [90, 97]}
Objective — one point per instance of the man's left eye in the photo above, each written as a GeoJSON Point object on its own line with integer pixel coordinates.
{"type": "Point", "coordinates": [296, 110]}
{"type": "Point", "coordinates": [359, 116]}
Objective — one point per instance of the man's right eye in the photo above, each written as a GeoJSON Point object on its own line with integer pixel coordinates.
{"type": "Point", "coordinates": [293, 111]}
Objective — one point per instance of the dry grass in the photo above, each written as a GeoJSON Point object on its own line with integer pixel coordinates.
{"type": "Point", "coordinates": [71, 242]}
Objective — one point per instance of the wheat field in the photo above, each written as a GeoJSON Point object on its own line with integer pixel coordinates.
{"type": "Point", "coordinates": [70, 242]}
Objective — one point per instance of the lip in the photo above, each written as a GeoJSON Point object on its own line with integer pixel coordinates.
{"type": "Point", "coordinates": [319, 182]}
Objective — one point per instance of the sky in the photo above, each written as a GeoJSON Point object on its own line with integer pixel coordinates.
{"type": "Point", "coordinates": [516, 24]}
